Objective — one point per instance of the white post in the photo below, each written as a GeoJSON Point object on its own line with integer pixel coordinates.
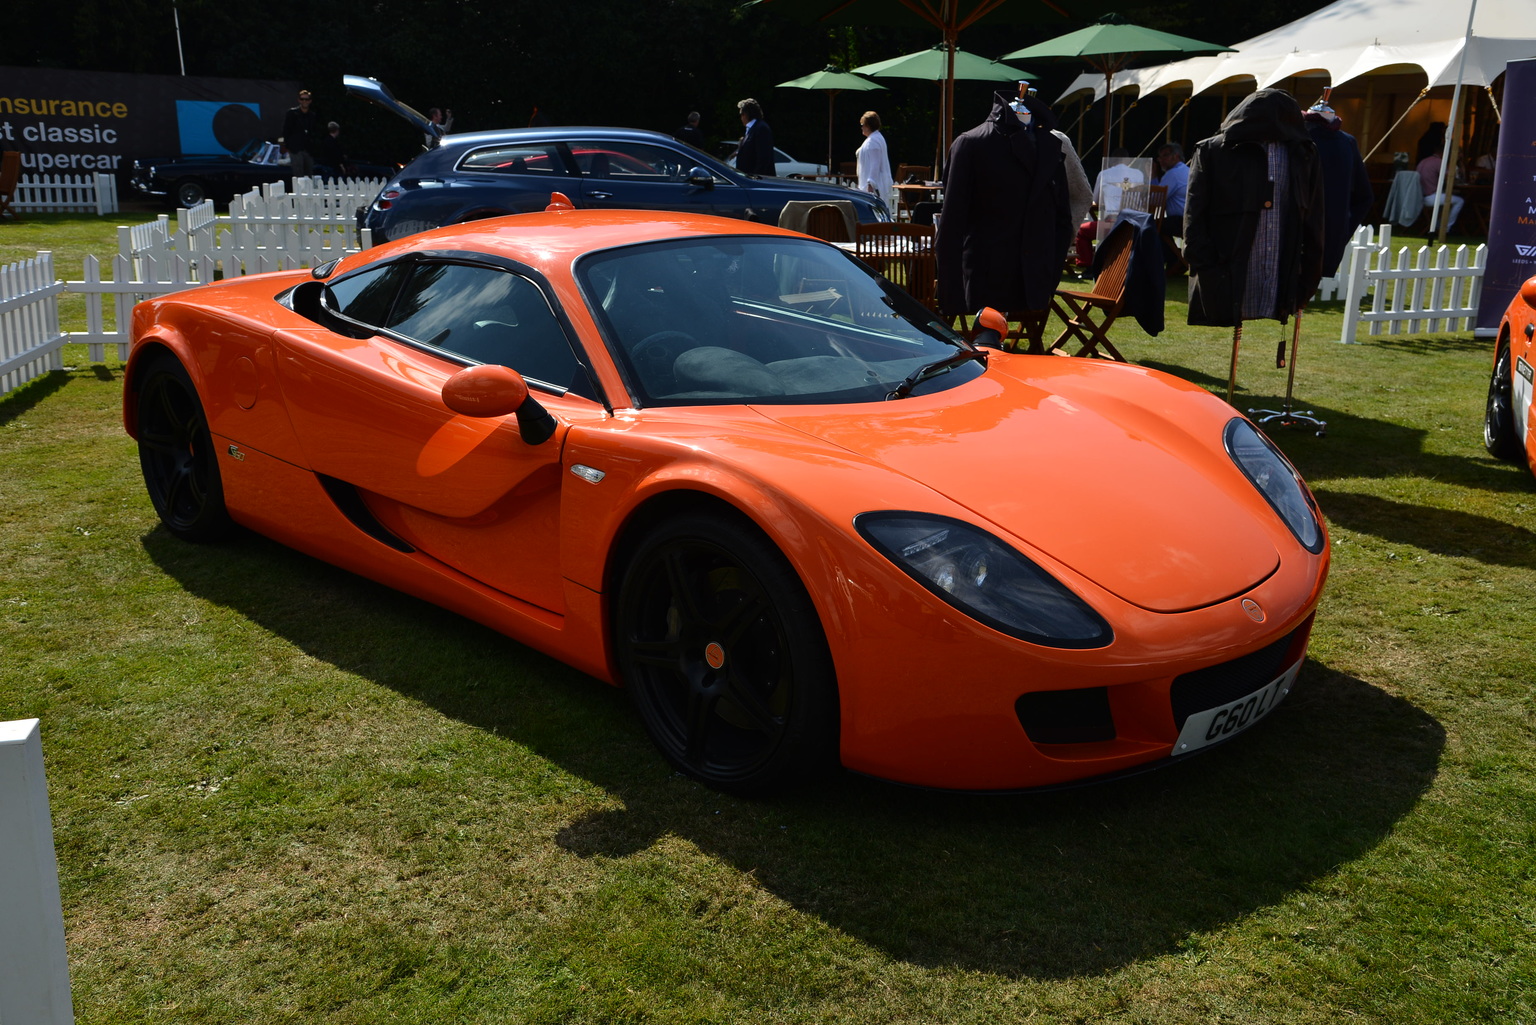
{"type": "Point", "coordinates": [34, 973]}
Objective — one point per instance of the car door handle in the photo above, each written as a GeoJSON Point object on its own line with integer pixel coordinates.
{"type": "Point", "coordinates": [599, 195]}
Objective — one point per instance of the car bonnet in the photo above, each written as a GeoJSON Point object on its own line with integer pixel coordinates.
{"type": "Point", "coordinates": [1129, 487]}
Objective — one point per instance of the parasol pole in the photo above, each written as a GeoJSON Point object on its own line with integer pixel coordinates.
{"type": "Point", "coordinates": [1109, 107]}
{"type": "Point", "coordinates": [831, 95]}
{"type": "Point", "coordinates": [946, 104]}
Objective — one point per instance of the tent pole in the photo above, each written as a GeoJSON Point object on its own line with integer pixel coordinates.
{"type": "Point", "coordinates": [1448, 147]}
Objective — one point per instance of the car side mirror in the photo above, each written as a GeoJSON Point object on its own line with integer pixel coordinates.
{"type": "Point", "coordinates": [1528, 292]}
{"type": "Point", "coordinates": [491, 391]}
{"type": "Point", "coordinates": [991, 327]}
{"type": "Point", "coordinates": [701, 177]}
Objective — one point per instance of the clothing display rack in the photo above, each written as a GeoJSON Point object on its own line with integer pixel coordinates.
{"type": "Point", "coordinates": [1287, 417]}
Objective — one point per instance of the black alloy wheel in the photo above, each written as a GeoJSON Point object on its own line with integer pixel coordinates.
{"type": "Point", "coordinates": [725, 658]}
{"type": "Point", "coordinates": [176, 453]}
{"type": "Point", "coordinates": [1499, 419]}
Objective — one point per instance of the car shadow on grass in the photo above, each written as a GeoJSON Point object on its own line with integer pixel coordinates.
{"type": "Point", "coordinates": [1048, 885]}
{"type": "Point", "coordinates": [1355, 446]}
{"type": "Point", "coordinates": [1448, 532]}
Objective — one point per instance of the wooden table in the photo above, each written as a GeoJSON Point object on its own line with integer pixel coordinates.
{"type": "Point", "coordinates": [909, 196]}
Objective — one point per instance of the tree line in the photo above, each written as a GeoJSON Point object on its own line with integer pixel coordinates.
{"type": "Point", "coordinates": [609, 62]}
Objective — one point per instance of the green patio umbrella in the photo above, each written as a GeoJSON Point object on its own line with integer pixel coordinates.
{"type": "Point", "coordinates": [1109, 46]}
{"type": "Point", "coordinates": [831, 80]}
{"type": "Point", "coordinates": [949, 17]}
{"type": "Point", "coordinates": [934, 65]}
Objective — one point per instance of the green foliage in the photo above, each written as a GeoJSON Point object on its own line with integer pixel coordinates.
{"type": "Point", "coordinates": [284, 794]}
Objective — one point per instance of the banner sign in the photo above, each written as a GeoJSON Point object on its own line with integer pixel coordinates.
{"type": "Point", "coordinates": [1512, 221]}
{"type": "Point", "coordinates": [83, 122]}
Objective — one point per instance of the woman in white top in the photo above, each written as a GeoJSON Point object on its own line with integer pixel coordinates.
{"type": "Point", "coordinates": [874, 162]}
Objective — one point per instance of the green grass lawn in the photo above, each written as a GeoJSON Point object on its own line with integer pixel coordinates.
{"type": "Point", "coordinates": [284, 794]}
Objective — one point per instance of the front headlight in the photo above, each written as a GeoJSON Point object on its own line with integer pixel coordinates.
{"type": "Point", "coordinates": [984, 578]}
{"type": "Point", "coordinates": [1276, 479]}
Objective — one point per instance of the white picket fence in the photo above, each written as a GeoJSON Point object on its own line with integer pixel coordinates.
{"type": "Point", "coordinates": [268, 229]}
{"type": "Point", "coordinates": [29, 321]}
{"type": "Point", "coordinates": [272, 229]}
{"type": "Point", "coordinates": [1420, 291]}
{"type": "Point", "coordinates": [66, 193]}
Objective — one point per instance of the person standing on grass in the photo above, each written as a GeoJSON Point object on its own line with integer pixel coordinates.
{"type": "Point", "coordinates": [874, 160]}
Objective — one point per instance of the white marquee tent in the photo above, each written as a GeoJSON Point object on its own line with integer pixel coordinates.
{"type": "Point", "coordinates": [1351, 38]}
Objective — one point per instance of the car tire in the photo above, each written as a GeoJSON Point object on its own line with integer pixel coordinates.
{"type": "Point", "coordinates": [190, 192]}
{"type": "Point", "coordinates": [1499, 418]}
{"type": "Point", "coordinates": [725, 658]}
{"type": "Point", "coordinates": [176, 453]}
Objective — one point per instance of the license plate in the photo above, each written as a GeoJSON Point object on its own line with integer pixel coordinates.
{"type": "Point", "coordinates": [1217, 724]}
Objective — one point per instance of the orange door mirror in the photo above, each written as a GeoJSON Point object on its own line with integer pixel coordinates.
{"type": "Point", "coordinates": [485, 391]}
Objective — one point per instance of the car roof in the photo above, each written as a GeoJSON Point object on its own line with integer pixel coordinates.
{"type": "Point", "coordinates": [566, 133]}
{"type": "Point", "coordinates": [549, 241]}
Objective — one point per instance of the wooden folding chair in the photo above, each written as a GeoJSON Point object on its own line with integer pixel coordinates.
{"type": "Point", "coordinates": [10, 176]}
{"type": "Point", "coordinates": [904, 255]}
{"type": "Point", "coordinates": [827, 222]}
{"type": "Point", "coordinates": [1088, 315]}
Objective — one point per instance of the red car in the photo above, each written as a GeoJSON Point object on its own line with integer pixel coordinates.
{"type": "Point", "coordinates": [729, 468]}
{"type": "Point", "coordinates": [1509, 430]}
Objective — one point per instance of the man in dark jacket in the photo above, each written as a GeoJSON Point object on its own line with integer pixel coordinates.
{"type": "Point", "coordinates": [1253, 219]}
{"type": "Point", "coordinates": [1347, 194]}
{"type": "Point", "coordinates": [1006, 221]}
{"type": "Point", "coordinates": [755, 153]}
{"type": "Point", "coordinates": [301, 131]}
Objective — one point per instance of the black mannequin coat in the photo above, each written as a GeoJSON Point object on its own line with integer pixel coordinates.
{"type": "Point", "coordinates": [1228, 187]}
{"type": "Point", "coordinates": [1006, 222]}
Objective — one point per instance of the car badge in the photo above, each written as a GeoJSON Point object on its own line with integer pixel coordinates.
{"type": "Point", "coordinates": [1252, 608]}
{"type": "Point", "coordinates": [714, 654]}
{"type": "Point", "coordinates": [235, 453]}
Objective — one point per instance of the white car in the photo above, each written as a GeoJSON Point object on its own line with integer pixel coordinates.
{"type": "Point", "coordinates": [783, 164]}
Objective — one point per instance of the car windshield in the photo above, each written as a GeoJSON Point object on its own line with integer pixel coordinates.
{"type": "Point", "coordinates": [765, 320]}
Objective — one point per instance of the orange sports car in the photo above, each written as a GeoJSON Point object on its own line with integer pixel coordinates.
{"type": "Point", "coordinates": [1509, 429]}
{"type": "Point", "coordinates": [729, 468]}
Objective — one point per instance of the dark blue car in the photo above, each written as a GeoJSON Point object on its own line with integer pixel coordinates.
{"type": "Point", "coordinates": [488, 174]}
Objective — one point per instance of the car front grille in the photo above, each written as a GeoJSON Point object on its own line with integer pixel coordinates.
{"type": "Point", "coordinates": [1219, 684]}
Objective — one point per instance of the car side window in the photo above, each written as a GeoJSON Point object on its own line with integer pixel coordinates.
{"type": "Point", "coordinates": [367, 297]}
{"type": "Point", "coordinates": [487, 315]}
{"type": "Point", "coordinates": [631, 161]}
{"type": "Point", "coordinates": [537, 159]}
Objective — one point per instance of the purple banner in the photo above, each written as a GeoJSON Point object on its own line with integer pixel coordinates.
{"type": "Point", "coordinates": [80, 122]}
{"type": "Point", "coordinates": [1512, 221]}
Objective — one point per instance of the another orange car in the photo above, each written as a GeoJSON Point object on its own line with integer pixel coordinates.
{"type": "Point", "coordinates": [1509, 429]}
{"type": "Point", "coordinates": [729, 468]}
